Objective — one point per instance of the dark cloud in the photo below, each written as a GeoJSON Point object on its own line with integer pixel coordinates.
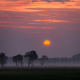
{"type": "Point", "coordinates": [4, 17]}
{"type": "Point", "coordinates": [18, 17]}
{"type": "Point", "coordinates": [43, 0]}
{"type": "Point", "coordinates": [56, 0]}
{"type": "Point", "coordinates": [34, 0]}
{"type": "Point", "coordinates": [51, 1]}
{"type": "Point", "coordinates": [28, 1]}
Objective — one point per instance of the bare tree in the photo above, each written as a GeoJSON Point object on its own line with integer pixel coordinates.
{"type": "Point", "coordinates": [43, 59]}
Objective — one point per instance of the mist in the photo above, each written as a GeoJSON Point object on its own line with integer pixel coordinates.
{"type": "Point", "coordinates": [51, 62]}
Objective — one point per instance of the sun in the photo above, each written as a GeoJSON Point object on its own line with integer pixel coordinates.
{"type": "Point", "coordinates": [46, 42]}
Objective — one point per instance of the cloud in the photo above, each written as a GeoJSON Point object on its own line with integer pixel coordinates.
{"type": "Point", "coordinates": [56, 0]}
{"type": "Point", "coordinates": [28, 27]}
{"type": "Point", "coordinates": [6, 22]}
{"type": "Point", "coordinates": [33, 23]}
{"type": "Point", "coordinates": [12, 0]}
{"type": "Point", "coordinates": [43, 15]}
{"type": "Point", "coordinates": [32, 27]}
{"type": "Point", "coordinates": [52, 20]}
{"type": "Point", "coordinates": [41, 0]}
{"type": "Point", "coordinates": [18, 18]}
{"type": "Point", "coordinates": [25, 5]}
{"type": "Point", "coordinates": [41, 28]}
{"type": "Point", "coordinates": [76, 19]}
{"type": "Point", "coordinates": [4, 17]}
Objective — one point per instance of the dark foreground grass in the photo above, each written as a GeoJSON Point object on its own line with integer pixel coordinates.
{"type": "Point", "coordinates": [39, 73]}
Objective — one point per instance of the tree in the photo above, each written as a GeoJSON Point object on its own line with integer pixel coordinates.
{"type": "Point", "coordinates": [3, 59]}
{"type": "Point", "coordinates": [43, 58]}
{"type": "Point", "coordinates": [76, 56]}
{"type": "Point", "coordinates": [31, 55]}
{"type": "Point", "coordinates": [18, 59]}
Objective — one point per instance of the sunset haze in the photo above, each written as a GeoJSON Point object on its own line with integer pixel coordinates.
{"type": "Point", "coordinates": [26, 24]}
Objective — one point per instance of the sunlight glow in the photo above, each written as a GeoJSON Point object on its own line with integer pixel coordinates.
{"type": "Point", "coordinates": [46, 42]}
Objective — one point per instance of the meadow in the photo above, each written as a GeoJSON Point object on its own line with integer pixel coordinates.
{"type": "Point", "coordinates": [40, 73]}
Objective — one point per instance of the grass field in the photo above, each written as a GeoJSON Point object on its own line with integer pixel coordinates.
{"type": "Point", "coordinates": [39, 73]}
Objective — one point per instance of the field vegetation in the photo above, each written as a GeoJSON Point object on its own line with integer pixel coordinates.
{"type": "Point", "coordinates": [39, 73]}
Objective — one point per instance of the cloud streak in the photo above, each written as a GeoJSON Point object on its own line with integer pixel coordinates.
{"type": "Point", "coordinates": [52, 20]}
{"type": "Point", "coordinates": [7, 22]}
{"type": "Point", "coordinates": [29, 27]}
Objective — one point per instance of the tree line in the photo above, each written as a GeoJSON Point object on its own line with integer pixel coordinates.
{"type": "Point", "coordinates": [32, 56]}
{"type": "Point", "coordinates": [18, 59]}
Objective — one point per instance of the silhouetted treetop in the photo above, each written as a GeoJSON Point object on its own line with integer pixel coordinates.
{"type": "Point", "coordinates": [76, 56]}
{"type": "Point", "coordinates": [31, 54]}
{"type": "Point", "coordinates": [44, 57]}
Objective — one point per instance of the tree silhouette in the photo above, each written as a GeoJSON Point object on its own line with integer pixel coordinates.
{"type": "Point", "coordinates": [32, 56]}
{"type": "Point", "coordinates": [18, 59]}
{"type": "Point", "coordinates": [43, 58]}
{"type": "Point", "coordinates": [3, 59]}
{"type": "Point", "coordinates": [76, 56]}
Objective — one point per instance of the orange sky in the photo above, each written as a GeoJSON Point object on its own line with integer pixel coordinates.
{"type": "Point", "coordinates": [23, 5]}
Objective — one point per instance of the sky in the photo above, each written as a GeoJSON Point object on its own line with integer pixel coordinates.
{"type": "Point", "coordinates": [25, 24]}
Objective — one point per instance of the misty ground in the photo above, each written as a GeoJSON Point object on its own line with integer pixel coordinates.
{"type": "Point", "coordinates": [48, 63]}
{"type": "Point", "coordinates": [49, 71]}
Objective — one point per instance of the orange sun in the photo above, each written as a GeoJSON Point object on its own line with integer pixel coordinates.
{"type": "Point", "coordinates": [46, 42]}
